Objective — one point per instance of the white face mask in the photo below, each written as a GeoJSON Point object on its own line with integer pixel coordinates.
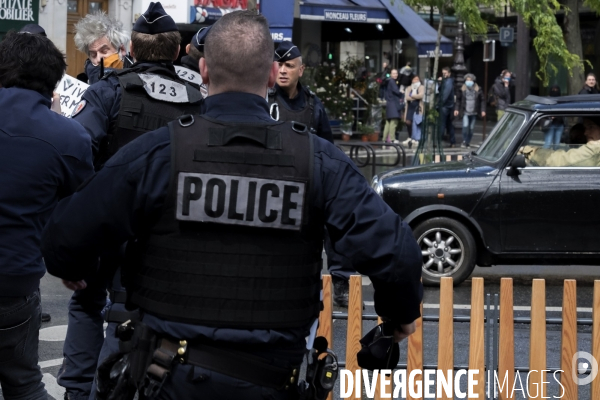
{"type": "Point", "coordinates": [416, 85]}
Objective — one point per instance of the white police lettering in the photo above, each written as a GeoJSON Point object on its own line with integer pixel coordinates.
{"type": "Point", "coordinates": [188, 74]}
{"type": "Point", "coordinates": [162, 89]}
{"type": "Point", "coordinates": [239, 200]}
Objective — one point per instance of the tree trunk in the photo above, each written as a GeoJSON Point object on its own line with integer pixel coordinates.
{"type": "Point", "coordinates": [573, 42]}
{"type": "Point", "coordinates": [522, 82]}
{"type": "Point", "coordinates": [597, 49]}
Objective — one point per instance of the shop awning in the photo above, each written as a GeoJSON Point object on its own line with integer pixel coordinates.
{"type": "Point", "coordinates": [362, 11]}
{"type": "Point", "coordinates": [280, 14]}
{"type": "Point", "coordinates": [424, 34]}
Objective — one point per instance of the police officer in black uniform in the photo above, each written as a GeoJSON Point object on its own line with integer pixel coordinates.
{"type": "Point", "coordinates": [189, 68]}
{"type": "Point", "coordinates": [120, 107]}
{"type": "Point", "coordinates": [289, 100]}
{"type": "Point", "coordinates": [227, 211]}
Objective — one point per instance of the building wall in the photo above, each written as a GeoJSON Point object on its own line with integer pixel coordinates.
{"type": "Point", "coordinates": [122, 10]}
{"type": "Point", "coordinates": [53, 18]}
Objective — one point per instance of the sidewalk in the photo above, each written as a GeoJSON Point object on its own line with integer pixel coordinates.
{"type": "Point", "coordinates": [475, 141]}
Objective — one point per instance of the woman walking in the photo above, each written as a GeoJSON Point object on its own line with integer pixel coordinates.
{"type": "Point", "coordinates": [413, 112]}
{"type": "Point", "coordinates": [392, 108]}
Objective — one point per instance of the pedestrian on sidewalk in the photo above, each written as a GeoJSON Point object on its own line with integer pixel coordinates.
{"type": "Point", "coordinates": [470, 103]}
{"type": "Point", "coordinates": [392, 108]}
{"type": "Point", "coordinates": [414, 106]}
{"type": "Point", "coordinates": [446, 106]}
{"type": "Point", "coordinates": [501, 91]}
{"type": "Point", "coordinates": [591, 85]}
{"type": "Point", "coordinates": [553, 132]}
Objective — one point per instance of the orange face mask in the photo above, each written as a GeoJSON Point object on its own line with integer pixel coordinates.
{"type": "Point", "coordinates": [113, 61]}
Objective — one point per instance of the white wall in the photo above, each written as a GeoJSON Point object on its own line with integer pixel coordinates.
{"type": "Point", "coordinates": [53, 18]}
{"type": "Point", "coordinates": [122, 10]}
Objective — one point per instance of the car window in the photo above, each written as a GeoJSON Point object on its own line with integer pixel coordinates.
{"type": "Point", "coordinates": [552, 142]}
{"type": "Point", "coordinates": [500, 138]}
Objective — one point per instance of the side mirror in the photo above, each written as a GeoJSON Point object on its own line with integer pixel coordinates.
{"type": "Point", "coordinates": [516, 163]}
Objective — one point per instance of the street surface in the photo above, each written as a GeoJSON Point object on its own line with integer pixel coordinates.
{"type": "Point", "coordinates": [55, 298]}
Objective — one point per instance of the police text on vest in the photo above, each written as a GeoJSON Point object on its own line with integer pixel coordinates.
{"type": "Point", "coordinates": [238, 200]}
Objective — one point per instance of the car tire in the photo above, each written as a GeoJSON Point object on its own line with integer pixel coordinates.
{"type": "Point", "coordinates": [449, 250]}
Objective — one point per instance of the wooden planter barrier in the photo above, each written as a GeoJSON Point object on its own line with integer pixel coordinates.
{"type": "Point", "coordinates": [506, 349]}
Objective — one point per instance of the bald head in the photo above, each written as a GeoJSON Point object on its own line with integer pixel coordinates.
{"type": "Point", "coordinates": [238, 54]}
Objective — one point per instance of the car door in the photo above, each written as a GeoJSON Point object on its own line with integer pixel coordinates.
{"type": "Point", "coordinates": [550, 209]}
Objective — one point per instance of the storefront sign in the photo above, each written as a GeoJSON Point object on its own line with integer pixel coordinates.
{"type": "Point", "coordinates": [345, 16]}
{"type": "Point", "coordinates": [70, 90]}
{"type": "Point", "coordinates": [177, 9]}
{"type": "Point", "coordinates": [15, 14]}
{"type": "Point", "coordinates": [209, 11]}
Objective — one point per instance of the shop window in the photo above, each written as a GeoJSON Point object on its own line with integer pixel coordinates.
{"type": "Point", "coordinates": [72, 6]}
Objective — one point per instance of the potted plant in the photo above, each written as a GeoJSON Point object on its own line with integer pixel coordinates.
{"type": "Point", "coordinates": [368, 132]}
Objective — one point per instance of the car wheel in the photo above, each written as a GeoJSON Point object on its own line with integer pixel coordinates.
{"type": "Point", "coordinates": [448, 249]}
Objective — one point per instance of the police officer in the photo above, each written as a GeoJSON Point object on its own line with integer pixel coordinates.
{"type": "Point", "coordinates": [104, 42]}
{"type": "Point", "coordinates": [189, 69]}
{"type": "Point", "coordinates": [289, 100]}
{"type": "Point", "coordinates": [228, 211]}
{"type": "Point", "coordinates": [121, 106]}
{"type": "Point", "coordinates": [45, 157]}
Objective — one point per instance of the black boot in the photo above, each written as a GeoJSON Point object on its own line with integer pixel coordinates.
{"type": "Point", "coordinates": [340, 291]}
{"type": "Point", "coordinates": [46, 317]}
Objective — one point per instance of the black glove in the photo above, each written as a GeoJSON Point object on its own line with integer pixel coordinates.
{"type": "Point", "coordinates": [379, 351]}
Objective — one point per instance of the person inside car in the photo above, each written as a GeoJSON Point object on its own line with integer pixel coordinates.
{"type": "Point", "coordinates": [587, 155]}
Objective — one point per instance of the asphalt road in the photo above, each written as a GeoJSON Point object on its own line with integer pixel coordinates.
{"type": "Point", "coordinates": [55, 299]}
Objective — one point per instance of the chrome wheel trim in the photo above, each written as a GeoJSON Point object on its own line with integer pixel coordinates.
{"type": "Point", "coordinates": [443, 252]}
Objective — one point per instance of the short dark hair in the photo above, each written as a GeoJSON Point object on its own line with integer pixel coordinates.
{"type": "Point", "coordinates": [157, 47]}
{"type": "Point", "coordinates": [30, 61]}
{"type": "Point", "coordinates": [195, 53]}
{"type": "Point", "coordinates": [447, 69]}
{"type": "Point", "coordinates": [590, 74]}
{"type": "Point", "coordinates": [239, 51]}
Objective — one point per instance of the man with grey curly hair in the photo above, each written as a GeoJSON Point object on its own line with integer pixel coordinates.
{"type": "Point", "coordinates": [100, 37]}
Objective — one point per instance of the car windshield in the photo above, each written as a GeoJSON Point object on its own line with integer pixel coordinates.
{"type": "Point", "coordinates": [501, 137]}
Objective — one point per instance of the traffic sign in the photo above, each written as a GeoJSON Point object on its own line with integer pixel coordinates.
{"type": "Point", "coordinates": [507, 35]}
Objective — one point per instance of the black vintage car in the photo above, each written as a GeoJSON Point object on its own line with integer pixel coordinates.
{"type": "Point", "coordinates": [496, 207]}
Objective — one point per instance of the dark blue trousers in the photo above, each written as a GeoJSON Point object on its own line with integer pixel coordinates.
{"type": "Point", "coordinates": [85, 336]}
{"type": "Point", "coordinates": [20, 321]}
{"type": "Point", "coordinates": [446, 117]}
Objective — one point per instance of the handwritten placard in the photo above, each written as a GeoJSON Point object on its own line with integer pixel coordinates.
{"type": "Point", "coordinates": [70, 90]}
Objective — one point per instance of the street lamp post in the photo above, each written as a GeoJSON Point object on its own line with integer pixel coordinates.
{"type": "Point", "coordinates": [459, 69]}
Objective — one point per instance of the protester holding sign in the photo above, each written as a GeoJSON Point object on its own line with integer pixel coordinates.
{"type": "Point", "coordinates": [44, 157]}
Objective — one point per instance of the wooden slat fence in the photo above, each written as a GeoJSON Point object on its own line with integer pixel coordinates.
{"type": "Point", "coordinates": [477, 351]}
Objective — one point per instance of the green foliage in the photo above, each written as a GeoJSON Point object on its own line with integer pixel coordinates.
{"type": "Point", "coordinates": [365, 129]}
{"type": "Point", "coordinates": [332, 90]}
{"type": "Point", "coordinates": [539, 15]}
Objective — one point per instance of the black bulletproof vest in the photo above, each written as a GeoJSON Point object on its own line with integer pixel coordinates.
{"type": "Point", "coordinates": [140, 113]}
{"type": "Point", "coordinates": [281, 111]}
{"type": "Point", "coordinates": [237, 244]}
